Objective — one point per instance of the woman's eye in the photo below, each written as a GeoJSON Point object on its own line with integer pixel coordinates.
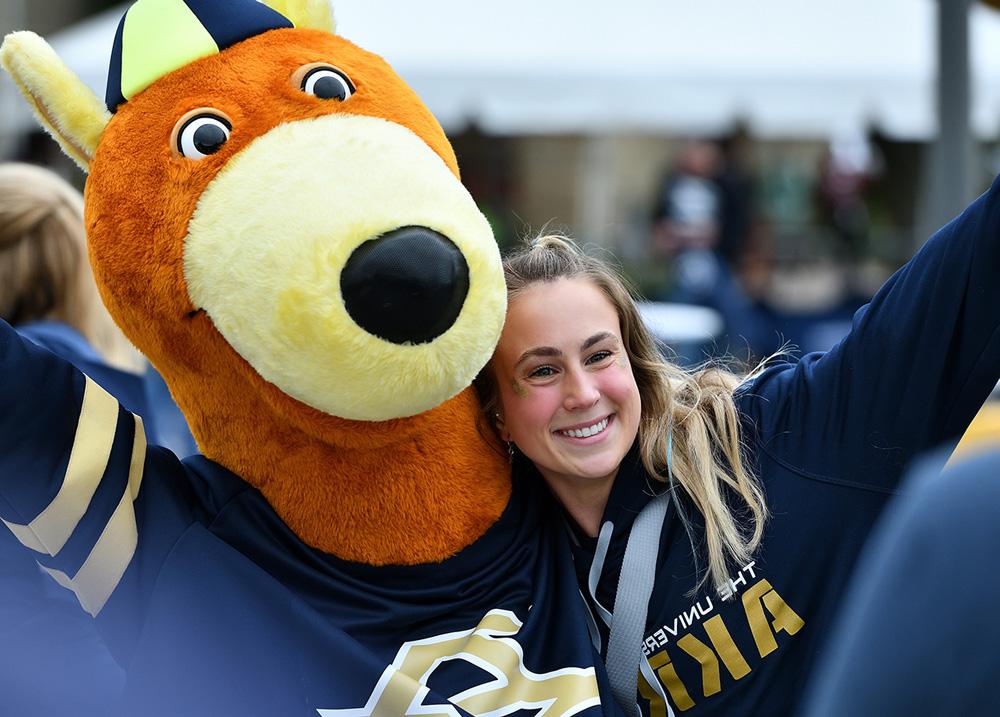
{"type": "Point", "coordinates": [202, 135]}
{"type": "Point", "coordinates": [542, 372]}
{"type": "Point", "coordinates": [599, 356]}
{"type": "Point", "coordinates": [327, 83]}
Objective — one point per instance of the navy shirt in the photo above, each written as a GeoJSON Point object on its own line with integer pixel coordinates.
{"type": "Point", "coordinates": [214, 607]}
{"type": "Point", "coordinates": [918, 632]}
{"type": "Point", "coordinates": [829, 436]}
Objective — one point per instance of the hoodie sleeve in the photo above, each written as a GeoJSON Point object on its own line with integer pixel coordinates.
{"type": "Point", "coordinates": [75, 474]}
{"type": "Point", "coordinates": [918, 363]}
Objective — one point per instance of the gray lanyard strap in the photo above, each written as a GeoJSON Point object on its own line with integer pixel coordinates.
{"type": "Point", "coordinates": [635, 584]}
{"type": "Point", "coordinates": [597, 566]}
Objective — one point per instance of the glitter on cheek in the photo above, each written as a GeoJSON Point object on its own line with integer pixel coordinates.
{"type": "Point", "coordinates": [622, 361]}
{"type": "Point", "coordinates": [519, 390]}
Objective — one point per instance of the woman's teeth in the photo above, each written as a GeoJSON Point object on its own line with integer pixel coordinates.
{"type": "Point", "coordinates": [588, 431]}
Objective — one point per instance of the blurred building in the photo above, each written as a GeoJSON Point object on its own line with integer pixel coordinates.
{"type": "Point", "coordinates": [568, 117]}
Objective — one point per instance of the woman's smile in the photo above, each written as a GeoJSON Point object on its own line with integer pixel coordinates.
{"type": "Point", "coordinates": [586, 433]}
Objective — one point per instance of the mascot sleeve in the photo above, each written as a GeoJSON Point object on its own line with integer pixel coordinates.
{"type": "Point", "coordinates": [74, 477]}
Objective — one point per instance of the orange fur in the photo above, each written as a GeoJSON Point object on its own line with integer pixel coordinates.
{"type": "Point", "coordinates": [400, 492]}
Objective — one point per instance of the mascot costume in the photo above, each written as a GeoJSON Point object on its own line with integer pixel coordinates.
{"type": "Point", "coordinates": [277, 222]}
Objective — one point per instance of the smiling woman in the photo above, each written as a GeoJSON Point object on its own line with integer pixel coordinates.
{"type": "Point", "coordinates": [577, 379]}
{"type": "Point", "coordinates": [578, 387]}
{"type": "Point", "coordinates": [568, 394]}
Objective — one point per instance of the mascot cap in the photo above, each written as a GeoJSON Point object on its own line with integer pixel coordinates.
{"type": "Point", "coordinates": [156, 37]}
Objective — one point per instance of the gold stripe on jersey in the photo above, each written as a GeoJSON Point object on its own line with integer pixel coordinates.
{"type": "Point", "coordinates": [101, 572]}
{"type": "Point", "coordinates": [95, 434]}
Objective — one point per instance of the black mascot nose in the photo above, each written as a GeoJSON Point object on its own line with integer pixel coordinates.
{"type": "Point", "coordinates": [406, 286]}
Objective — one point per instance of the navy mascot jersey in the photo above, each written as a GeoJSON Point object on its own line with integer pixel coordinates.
{"type": "Point", "coordinates": [829, 436]}
{"type": "Point", "coordinates": [214, 607]}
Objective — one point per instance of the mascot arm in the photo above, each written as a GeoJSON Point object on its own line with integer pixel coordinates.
{"type": "Point", "coordinates": [75, 471]}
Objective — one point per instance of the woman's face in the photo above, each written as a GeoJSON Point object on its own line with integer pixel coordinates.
{"type": "Point", "coordinates": [568, 398]}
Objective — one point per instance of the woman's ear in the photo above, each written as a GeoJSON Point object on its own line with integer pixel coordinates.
{"type": "Point", "coordinates": [501, 427]}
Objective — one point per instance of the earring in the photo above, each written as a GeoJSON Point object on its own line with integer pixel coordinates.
{"type": "Point", "coordinates": [510, 444]}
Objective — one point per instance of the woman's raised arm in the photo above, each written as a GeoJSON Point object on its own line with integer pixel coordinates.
{"type": "Point", "coordinates": [918, 364]}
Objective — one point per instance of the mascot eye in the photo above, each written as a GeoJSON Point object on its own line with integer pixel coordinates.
{"type": "Point", "coordinates": [327, 83]}
{"type": "Point", "coordinates": [202, 134]}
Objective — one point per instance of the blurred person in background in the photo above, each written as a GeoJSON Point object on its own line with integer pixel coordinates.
{"type": "Point", "coordinates": [917, 634]}
{"type": "Point", "coordinates": [49, 648]}
{"type": "Point", "coordinates": [46, 289]}
{"type": "Point", "coordinates": [738, 193]}
{"type": "Point", "coordinates": [47, 293]}
{"type": "Point", "coordinates": [701, 222]}
{"type": "Point", "coordinates": [688, 210]}
{"type": "Point", "coordinates": [846, 169]}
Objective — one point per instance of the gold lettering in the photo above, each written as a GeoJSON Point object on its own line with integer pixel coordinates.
{"type": "Point", "coordinates": [399, 696]}
{"type": "Point", "coordinates": [784, 617]}
{"type": "Point", "coordinates": [711, 683]}
{"type": "Point", "coordinates": [567, 689]}
{"type": "Point", "coordinates": [657, 707]}
{"type": "Point", "coordinates": [489, 646]}
{"type": "Point", "coordinates": [668, 676]}
{"type": "Point", "coordinates": [723, 643]}
{"type": "Point", "coordinates": [755, 600]}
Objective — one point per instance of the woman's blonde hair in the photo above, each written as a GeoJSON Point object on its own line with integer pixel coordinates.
{"type": "Point", "coordinates": [44, 272]}
{"type": "Point", "coordinates": [696, 407]}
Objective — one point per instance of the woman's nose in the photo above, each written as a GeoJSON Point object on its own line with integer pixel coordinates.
{"type": "Point", "coordinates": [581, 391]}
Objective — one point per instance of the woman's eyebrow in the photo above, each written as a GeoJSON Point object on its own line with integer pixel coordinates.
{"type": "Point", "coordinates": [538, 351]}
{"type": "Point", "coordinates": [596, 338]}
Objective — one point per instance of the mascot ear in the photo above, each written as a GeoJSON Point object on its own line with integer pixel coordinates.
{"type": "Point", "coordinates": [65, 106]}
{"type": "Point", "coordinates": [310, 14]}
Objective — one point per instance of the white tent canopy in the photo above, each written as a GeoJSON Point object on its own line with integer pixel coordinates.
{"type": "Point", "coordinates": [785, 67]}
